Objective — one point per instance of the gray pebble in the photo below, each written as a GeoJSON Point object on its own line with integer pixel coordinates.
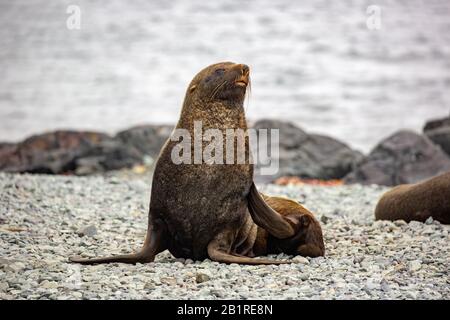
{"type": "Point", "coordinates": [364, 259]}
{"type": "Point", "coordinates": [88, 231]}
{"type": "Point", "coordinates": [201, 277]}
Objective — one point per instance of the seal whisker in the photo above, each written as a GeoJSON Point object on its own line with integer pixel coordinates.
{"type": "Point", "coordinates": [216, 89]}
{"type": "Point", "coordinates": [248, 93]}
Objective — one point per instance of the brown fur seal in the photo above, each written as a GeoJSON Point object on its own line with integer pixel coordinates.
{"type": "Point", "coordinates": [308, 238]}
{"type": "Point", "coordinates": [207, 210]}
{"type": "Point", "coordinates": [430, 198]}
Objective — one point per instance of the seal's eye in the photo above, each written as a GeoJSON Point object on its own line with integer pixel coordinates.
{"type": "Point", "coordinates": [213, 76]}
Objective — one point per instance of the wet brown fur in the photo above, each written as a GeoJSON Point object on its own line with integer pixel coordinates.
{"type": "Point", "coordinates": [430, 198]}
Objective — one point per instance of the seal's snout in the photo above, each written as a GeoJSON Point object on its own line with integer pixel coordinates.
{"type": "Point", "coordinates": [245, 69]}
{"type": "Point", "coordinates": [314, 245]}
{"type": "Point", "coordinates": [244, 72]}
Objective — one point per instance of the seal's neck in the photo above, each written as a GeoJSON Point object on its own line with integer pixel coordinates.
{"type": "Point", "coordinates": [213, 115]}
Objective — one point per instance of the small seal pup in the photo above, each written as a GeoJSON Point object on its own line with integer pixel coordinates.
{"type": "Point", "coordinates": [201, 210]}
{"type": "Point", "coordinates": [430, 198]}
{"type": "Point", "coordinates": [307, 240]}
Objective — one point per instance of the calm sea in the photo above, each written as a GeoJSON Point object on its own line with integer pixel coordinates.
{"type": "Point", "coordinates": [315, 63]}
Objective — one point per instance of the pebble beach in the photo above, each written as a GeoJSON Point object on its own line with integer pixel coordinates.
{"type": "Point", "coordinates": [44, 219]}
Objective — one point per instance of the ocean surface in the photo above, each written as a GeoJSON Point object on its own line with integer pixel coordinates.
{"type": "Point", "coordinates": [315, 63]}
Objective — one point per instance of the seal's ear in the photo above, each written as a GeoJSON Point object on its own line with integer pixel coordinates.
{"type": "Point", "coordinates": [305, 220]}
{"type": "Point", "coordinates": [192, 88]}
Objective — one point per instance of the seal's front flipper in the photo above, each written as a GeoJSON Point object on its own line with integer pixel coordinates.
{"type": "Point", "coordinates": [154, 244]}
{"type": "Point", "coordinates": [267, 218]}
{"type": "Point", "coordinates": [218, 254]}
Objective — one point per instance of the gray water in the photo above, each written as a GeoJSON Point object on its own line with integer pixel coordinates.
{"type": "Point", "coordinates": [315, 63]}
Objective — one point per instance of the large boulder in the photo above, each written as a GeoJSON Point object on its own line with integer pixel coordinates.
{"type": "Point", "coordinates": [106, 156]}
{"type": "Point", "coordinates": [404, 157]}
{"type": "Point", "coordinates": [67, 151]}
{"type": "Point", "coordinates": [5, 150]}
{"type": "Point", "coordinates": [309, 155]}
{"type": "Point", "coordinates": [148, 139]}
{"type": "Point", "coordinates": [51, 152]}
{"type": "Point", "coordinates": [438, 131]}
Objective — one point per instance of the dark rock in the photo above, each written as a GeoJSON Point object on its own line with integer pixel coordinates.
{"type": "Point", "coordinates": [148, 139]}
{"type": "Point", "coordinates": [68, 151]}
{"type": "Point", "coordinates": [6, 147]}
{"type": "Point", "coordinates": [335, 158]}
{"type": "Point", "coordinates": [438, 131]}
{"type": "Point", "coordinates": [291, 136]}
{"type": "Point", "coordinates": [436, 123]}
{"type": "Point", "coordinates": [106, 156]}
{"type": "Point", "coordinates": [7, 150]}
{"type": "Point", "coordinates": [52, 152]}
{"type": "Point", "coordinates": [201, 277]}
{"type": "Point", "coordinates": [441, 137]}
{"type": "Point", "coordinates": [310, 155]}
{"type": "Point", "coordinates": [404, 157]}
{"type": "Point", "coordinates": [324, 219]}
{"type": "Point", "coordinates": [88, 165]}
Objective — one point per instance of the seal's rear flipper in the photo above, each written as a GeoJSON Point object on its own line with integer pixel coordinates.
{"type": "Point", "coordinates": [217, 254]}
{"type": "Point", "coordinates": [126, 258]}
{"type": "Point", "coordinates": [154, 244]}
{"type": "Point", "coordinates": [267, 218]}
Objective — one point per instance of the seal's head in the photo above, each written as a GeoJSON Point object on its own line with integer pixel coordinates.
{"type": "Point", "coordinates": [311, 238]}
{"type": "Point", "coordinates": [308, 238]}
{"type": "Point", "coordinates": [224, 81]}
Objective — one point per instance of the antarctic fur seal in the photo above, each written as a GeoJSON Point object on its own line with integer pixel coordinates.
{"type": "Point", "coordinates": [308, 237]}
{"type": "Point", "coordinates": [201, 210]}
{"type": "Point", "coordinates": [430, 198]}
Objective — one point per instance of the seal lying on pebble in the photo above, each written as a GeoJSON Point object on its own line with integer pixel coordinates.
{"type": "Point", "coordinates": [201, 210]}
{"type": "Point", "coordinates": [430, 198]}
{"type": "Point", "coordinates": [307, 240]}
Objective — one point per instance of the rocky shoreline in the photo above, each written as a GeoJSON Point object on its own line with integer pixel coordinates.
{"type": "Point", "coordinates": [46, 218]}
{"type": "Point", "coordinates": [98, 209]}
{"type": "Point", "coordinates": [403, 157]}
